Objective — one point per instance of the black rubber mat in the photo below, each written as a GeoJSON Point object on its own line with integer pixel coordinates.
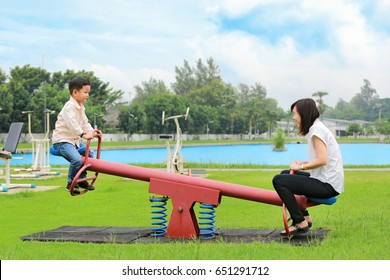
{"type": "Point", "coordinates": [125, 235]}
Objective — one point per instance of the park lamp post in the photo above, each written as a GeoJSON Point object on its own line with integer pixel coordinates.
{"type": "Point", "coordinates": [207, 129]}
{"type": "Point", "coordinates": [131, 116]}
{"type": "Point", "coordinates": [96, 115]}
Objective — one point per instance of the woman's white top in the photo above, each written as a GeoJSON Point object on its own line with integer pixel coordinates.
{"type": "Point", "coordinates": [333, 171]}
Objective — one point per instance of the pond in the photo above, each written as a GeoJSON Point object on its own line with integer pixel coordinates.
{"type": "Point", "coordinates": [353, 154]}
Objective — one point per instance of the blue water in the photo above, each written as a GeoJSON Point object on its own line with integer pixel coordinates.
{"type": "Point", "coordinates": [375, 154]}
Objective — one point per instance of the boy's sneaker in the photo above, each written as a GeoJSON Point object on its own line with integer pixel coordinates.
{"type": "Point", "coordinates": [86, 186]}
{"type": "Point", "coordinates": [75, 188]}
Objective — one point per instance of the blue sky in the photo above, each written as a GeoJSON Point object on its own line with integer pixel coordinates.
{"type": "Point", "coordinates": [293, 48]}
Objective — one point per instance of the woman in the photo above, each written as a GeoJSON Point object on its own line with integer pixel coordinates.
{"type": "Point", "coordinates": [324, 160]}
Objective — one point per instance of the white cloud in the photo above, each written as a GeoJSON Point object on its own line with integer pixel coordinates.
{"type": "Point", "coordinates": [117, 78]}
{"type": "Point", "coordinates": [354, 53]}
{"type": "Point", "coordinates": [126, 80]}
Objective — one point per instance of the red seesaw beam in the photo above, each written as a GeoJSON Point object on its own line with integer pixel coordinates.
{"type": "Point", "coordinates": [148, 174]}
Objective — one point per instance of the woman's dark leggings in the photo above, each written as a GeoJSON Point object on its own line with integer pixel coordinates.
{"type": "Point", "coordinates": [287, 185]}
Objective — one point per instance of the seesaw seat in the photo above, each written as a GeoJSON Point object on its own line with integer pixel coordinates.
{"type": "Point", "coordinates": [327, 201]}
{"type": "Point", "coordinates": [54, 152]}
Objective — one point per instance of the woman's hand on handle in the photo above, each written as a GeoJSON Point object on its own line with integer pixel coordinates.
{"type": "Point", "coordinates": [297, 165]}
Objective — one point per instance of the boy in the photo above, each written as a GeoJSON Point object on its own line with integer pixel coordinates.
{"type": "Point", "coordinates": [72, 125]}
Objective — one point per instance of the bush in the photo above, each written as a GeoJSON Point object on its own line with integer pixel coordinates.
{"type": "Point", "coordinates": [279, 141]}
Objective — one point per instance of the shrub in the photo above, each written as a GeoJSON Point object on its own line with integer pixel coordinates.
{"type": "Point", "coordinates": [279, 141]}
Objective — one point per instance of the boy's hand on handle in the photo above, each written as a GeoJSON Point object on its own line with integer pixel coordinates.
{"type": "Point", "coordinates": [97, 133]}
{"type": "Point", "coordinates": [92, 134]}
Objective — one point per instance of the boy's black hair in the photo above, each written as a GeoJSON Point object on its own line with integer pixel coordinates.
{"type": "Point", "coordinates": [308, 111]}
{"type": "Point", "coordinates": [78, 83]}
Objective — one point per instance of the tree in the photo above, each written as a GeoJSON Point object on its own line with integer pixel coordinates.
{"type": "Point", "coordinates": [261, 112]}
{"type": "Point", "coordinates": [205, 74]}
{"type": "Point", "coordinates": [23, 83]}
{"type": "Point", "coordinates": [3, 77]}
{"type": "Point", "coordinates": [55, 100]}
{"type": "Point", "coordinates": [383, 108]}
{"type": "Point", "coordinates": [132, 118]}
{"type": "Point", "coordinates": [34, 89]}
{"type": "Point", "coordinates": [6, 103]}
{"type": "Point", "coordinates": [151, 87]}
{"type": "Point", "coordinates": [252, 103]}
{"type": "Point", "coordinates": [366, 101]}
{"type": "Point", "coordinates": [272, 114]}
{"type": "Point", "coordinates": [383, 127]}
{"type": "Point", "coordinates": [210, 94]}
{"type": "Point", "coordinates": [185, 80]}
{"type": "Point", "coordinates": [354, 129]}
{"type": "Point", "coordinates": [172, 104]}
{"type": "Point", "coordinates": [191, 78]}
{"type": "Point", "coordinates": [343, 110]}
{"type": "Point", "coordinates": [288, 116]}
{"type": "Point", "coordinates": [320, 102]}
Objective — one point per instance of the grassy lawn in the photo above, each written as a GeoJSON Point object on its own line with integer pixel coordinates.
{"type": "Point", "coordinates": [358, 221]}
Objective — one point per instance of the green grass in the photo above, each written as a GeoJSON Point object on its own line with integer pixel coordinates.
{"type": "Point", "coordinates": [358, 221]}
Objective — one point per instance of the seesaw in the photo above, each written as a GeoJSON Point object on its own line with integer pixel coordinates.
{"type": "Point", "coordinates": [183, 190]}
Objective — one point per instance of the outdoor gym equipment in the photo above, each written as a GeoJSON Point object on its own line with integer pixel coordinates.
{"type": "Point", "coordinates": [40, 151]}
{"type": "Point", "coordinates": [184, 191]}
{"type": "Point", "coordinates": [175, 161]}
{"type": "Point", "coordinates": [7, 154]}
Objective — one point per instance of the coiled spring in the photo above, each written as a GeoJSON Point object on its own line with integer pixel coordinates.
{"type": "Point", "coordinates": [207, 221]}
{"type": "Point", "coordinates": [159, 214]}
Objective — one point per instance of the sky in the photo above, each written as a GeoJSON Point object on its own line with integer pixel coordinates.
{"type": "Point", "coordinates": [293, 48]}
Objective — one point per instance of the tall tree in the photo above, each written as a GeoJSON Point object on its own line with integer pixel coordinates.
{"type": "Point", "coordinates": [366, 101]}
{"type": "Point", "coordinates": [23, 83]}
{"type": "Point", "coordinates": [55, 100]}
{"type": "Point", "coordinates": [192, 78]}
{"type": "Point", "coordinates": [3, 77]}
{"type": "Point", "coordinates": [320, 102]}
{"type": "Point", "coordinates": [171, 104]}
{"type": "Point", "coordinates": [6, 103]}
{"type": "Point", "coordinates": [147, 88]}
{"type": "Point", "coordinates": [210, 94]}
{"type": "Point", "coordinates": [185, 80]}
{"type": "Point", "coordinates": [272, 114]}
{"type": "Point", "coordinates": [252, 103]}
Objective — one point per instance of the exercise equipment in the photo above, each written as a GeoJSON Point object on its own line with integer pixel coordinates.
{"type": "Point", "coordinates": [175, 161]}
{"type": "Point", "coordinates": [8, 153]}
{"type": "Point", "coordinates": [40, 151]}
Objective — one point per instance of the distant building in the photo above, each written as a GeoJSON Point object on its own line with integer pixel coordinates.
{"type": "Point", "coordinates": [338, 127]}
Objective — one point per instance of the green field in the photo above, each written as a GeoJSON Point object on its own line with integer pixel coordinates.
{"type": "Point", "coordinates": [358, 221]}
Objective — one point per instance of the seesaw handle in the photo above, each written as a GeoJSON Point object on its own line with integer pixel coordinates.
{"type": "Point", "coordinates": [85, 166]}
